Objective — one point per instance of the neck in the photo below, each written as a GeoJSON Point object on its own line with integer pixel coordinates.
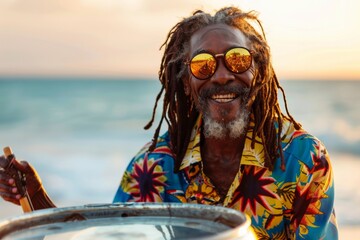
{"type": "Point", "coordinates": [221, 161]}
{"type": "Point", "coordinates": [222, 151]}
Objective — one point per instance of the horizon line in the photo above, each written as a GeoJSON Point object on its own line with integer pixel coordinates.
{"type": "Point", "coordinates": [51, 77]}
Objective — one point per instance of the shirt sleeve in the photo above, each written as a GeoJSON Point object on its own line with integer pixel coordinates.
{"type": "Point", "coordinates": [143, 180]}
{"type": "Point", "coordinates": [313, 207]}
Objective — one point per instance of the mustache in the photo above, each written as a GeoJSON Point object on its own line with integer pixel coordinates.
{"type": "Point", "coordinates": [243, 92]}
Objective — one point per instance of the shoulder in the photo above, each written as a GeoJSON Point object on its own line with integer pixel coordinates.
{"type": "Point", "coordinates": [304, 147]}
{"type": "Point", "coordinates": [162, 150]}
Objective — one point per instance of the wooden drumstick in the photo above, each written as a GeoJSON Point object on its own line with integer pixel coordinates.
{"type": "Point", "coordinates": [20, 181]}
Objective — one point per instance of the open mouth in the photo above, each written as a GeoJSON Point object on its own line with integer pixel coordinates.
{"type": "Point", "coordinates": [224, 98]}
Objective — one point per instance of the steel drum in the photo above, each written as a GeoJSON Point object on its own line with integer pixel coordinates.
{"type": "Point", "coordinates": [148, 221]}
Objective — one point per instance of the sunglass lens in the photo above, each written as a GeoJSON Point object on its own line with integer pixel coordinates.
{"type": "Point", "coordinates": [238, 60]}
{"type": "Point", "coordinates": [203, 65]}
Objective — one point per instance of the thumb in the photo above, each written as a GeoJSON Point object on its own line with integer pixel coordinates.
{"type": "Point", "coordinates": [22, 166]}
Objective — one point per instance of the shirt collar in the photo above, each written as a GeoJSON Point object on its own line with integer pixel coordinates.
{"type": "Point", "coordinates": [193, 154]}
{"type": "Point", "coordinates": [251, 156]}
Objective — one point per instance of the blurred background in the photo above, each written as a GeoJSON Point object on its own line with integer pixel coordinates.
{"type": "Point", "coordinates": [78, 80]}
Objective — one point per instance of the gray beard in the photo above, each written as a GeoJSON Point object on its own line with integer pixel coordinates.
{"type": "Point", "coordinates": [220, 130]}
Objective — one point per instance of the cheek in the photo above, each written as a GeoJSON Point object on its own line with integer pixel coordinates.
{"type": "Point", "coordinates": [195, 87]}
{"type": "Point", "coordinates": [247, 77]}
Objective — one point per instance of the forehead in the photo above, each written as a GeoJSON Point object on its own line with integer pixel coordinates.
{"type": "Point", "coordinates": [217, 38]}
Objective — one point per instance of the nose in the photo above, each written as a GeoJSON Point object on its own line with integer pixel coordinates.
{"type": "Point", "coordinates": [222, 75]}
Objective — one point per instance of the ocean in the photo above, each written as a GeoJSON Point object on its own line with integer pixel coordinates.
{"type": "Point", "coordinates": [80, 133]}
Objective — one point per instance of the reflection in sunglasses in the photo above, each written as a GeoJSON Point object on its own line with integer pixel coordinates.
{"type": "Point", "coordinates": [237, 60]}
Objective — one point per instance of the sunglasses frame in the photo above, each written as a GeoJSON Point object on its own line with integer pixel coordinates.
{"type": "Point", "coordinates": [216, 56]}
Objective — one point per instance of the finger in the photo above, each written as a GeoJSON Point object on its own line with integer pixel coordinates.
{"type": "Point", "coordinates": [4, 162]}
{"type": "Point", "coordinates": [22, 166]}
{"type": "Point", "coordinates": [5, 178]}
{"type": "Point", "coordinates": [8, 190]}
{"type": "Point", "coordinates": [7, 181]}
{"type": "Point", "coordinates": [14, 198]}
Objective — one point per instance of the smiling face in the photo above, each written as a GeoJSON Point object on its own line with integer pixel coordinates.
{"type": "Point", "coordinates": [222, 97]}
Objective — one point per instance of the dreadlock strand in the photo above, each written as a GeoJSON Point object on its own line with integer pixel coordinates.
{"type": "Point", "coordinates": [267, 110]}
{"type": "Point", "coordinates": [280, 150]}
{"type": "Point", "coordinates": [296, 124]}
{"type": "Point", "coordinates": [149, 124]}
{"type": "Point", "coordinates": [266, 152]}
{"type": "Point", "coordinates": [156, 135]}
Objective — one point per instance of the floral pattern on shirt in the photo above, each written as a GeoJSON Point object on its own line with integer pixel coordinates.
{"type": "Point", "coordinates": [292, 204]}
{"type": "Point", "coordinates": [146, 181]}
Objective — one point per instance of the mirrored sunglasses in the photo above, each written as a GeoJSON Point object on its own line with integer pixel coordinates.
{"type": "Point", "coordinates": [203, 65]}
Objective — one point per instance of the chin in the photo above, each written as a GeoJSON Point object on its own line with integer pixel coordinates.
{"type": "Point", "coordinates": [225, 127]}
{"type": "Point", "coordinates": [225, 116]}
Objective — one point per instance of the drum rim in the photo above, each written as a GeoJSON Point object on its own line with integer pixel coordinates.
{"type": "Point", "coordinates": [237, 221]}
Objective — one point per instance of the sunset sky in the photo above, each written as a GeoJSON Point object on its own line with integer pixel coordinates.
{"type": "Point", "coordinates": [308, 39]}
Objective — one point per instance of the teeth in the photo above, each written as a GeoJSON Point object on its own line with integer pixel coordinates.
{"type": "Point", "coordinates": [223, 97]}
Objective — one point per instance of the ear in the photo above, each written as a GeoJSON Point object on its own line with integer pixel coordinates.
{"type": "Point", "coordinates": [186, 84]}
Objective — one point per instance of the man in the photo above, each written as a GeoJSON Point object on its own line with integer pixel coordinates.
{"type": "Point", "coordinates": [228, 143]}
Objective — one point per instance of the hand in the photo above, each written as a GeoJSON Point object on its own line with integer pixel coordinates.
{"type": "Point", "coordinates": [8, 190]}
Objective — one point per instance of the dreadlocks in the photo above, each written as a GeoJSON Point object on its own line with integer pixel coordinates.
{"type": "Point", "coordinates": [177, 106]}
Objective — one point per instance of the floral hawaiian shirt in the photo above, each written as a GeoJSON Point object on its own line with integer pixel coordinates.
{"type": "Point", "coordinates": [293, 204]}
